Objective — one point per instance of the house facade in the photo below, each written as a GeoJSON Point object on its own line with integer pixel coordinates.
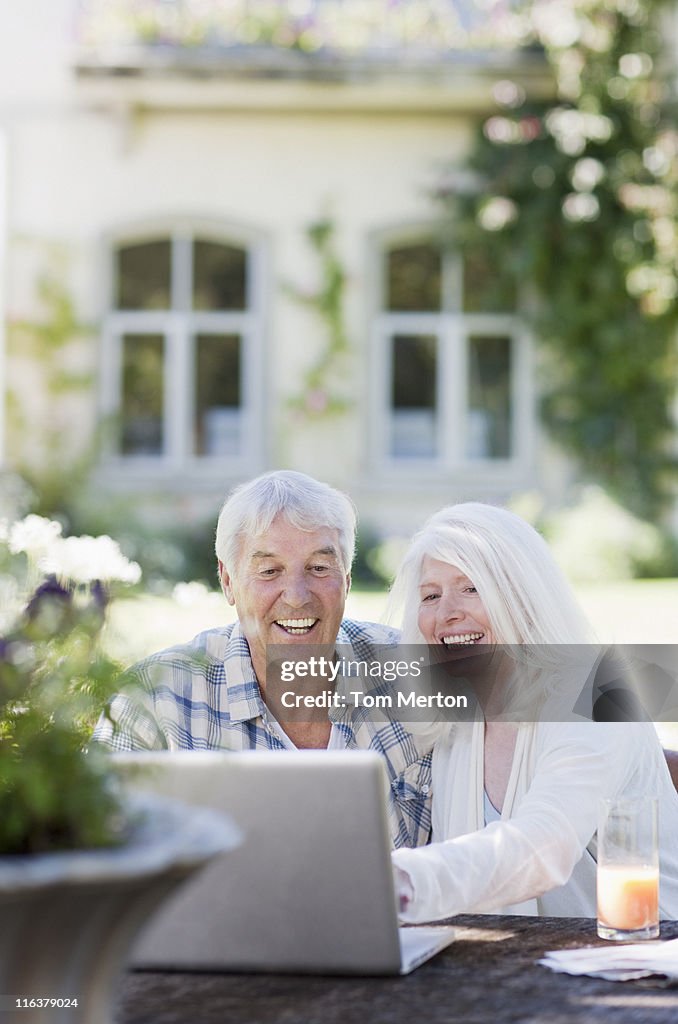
{"type": "Point", "coordinates": [226, 260]}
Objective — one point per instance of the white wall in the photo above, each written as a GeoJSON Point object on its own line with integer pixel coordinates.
{"type": "Point", "coordinates": [79, 171]}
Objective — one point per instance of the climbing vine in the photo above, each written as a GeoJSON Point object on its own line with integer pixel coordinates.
{"type": "Point", "coordinates": [48, 462]}
{"type": "Point", "coordinates": [576, 200]}
{"type": "Point", "coordinates": [324, 386]}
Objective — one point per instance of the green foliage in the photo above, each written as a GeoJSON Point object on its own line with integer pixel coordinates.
{"type": "Point", "coordinates": [363, 572]}
{"type": "Point", "coordinates": [54, 681]}
{"type": "Point", "coordinates": [377, 558]}
{"type": "Point", "coordinates": [56, 475]}
{"type": "Point", "coordinates": [578, 205]}
{"type": "Point", "coordinates": [598, 540]}
{"type": "Point", "coordinates": [167, 554]}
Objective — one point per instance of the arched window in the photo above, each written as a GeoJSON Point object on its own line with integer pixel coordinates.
{"type": "Point", "coordinates": [452, 360]}
{"type": "Point", "coordinates": [183, 342]}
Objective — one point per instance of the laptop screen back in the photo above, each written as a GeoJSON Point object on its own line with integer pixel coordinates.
{"type": "Point", "coordinates": [309, 889]}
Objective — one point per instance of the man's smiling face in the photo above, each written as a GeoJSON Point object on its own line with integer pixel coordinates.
{"type": "Point", "coordinates": [289, 586]}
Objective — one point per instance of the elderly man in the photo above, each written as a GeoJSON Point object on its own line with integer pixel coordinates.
{"type": "Point", "coordinates": [285, 545]}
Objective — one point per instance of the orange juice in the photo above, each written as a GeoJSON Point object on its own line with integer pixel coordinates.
{"type": "Point", "coordinates": [628, 896]}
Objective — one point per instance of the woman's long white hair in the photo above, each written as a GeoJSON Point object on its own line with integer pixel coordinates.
{"type": "Point", "coordinates": [526, 596]}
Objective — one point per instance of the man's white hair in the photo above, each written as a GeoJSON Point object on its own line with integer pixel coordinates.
{"type": "Point", "coordinates": [525, 594]}
{"type": "Point", "coordinates": [304, 502]}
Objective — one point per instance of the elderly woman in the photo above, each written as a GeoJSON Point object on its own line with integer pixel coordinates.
{"type": "Point", "coordinates": [515, 804]}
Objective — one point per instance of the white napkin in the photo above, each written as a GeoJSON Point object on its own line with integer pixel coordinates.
{"type": "Point", "coordinates": [617, 963]}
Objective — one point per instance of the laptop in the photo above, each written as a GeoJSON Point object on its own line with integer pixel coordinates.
{"type": "Point", "coordinates": [309, 890]}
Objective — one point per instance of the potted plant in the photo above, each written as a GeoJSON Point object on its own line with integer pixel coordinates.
{"type": "Point", "coordinates": [80, 866]}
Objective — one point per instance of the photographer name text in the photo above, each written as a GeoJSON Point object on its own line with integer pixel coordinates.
{"type": "Point", "coordinates": [358, 699]}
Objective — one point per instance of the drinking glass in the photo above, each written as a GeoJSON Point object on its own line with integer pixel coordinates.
{"type": "Point", "coordinates": [628, 869]}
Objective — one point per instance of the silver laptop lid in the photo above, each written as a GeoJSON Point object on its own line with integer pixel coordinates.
{"type": "Point", "coordinates": [309, 889]}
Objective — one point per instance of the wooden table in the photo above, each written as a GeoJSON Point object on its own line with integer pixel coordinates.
{"type": "Point", "coordinates": [488, 976]}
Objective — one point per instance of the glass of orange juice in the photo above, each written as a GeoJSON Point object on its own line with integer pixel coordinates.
{"type": "Point", "coordinates": [628, 869]}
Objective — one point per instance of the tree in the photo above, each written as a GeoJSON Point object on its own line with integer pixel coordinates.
{"type": "Point", "coordinates": [577, 204]}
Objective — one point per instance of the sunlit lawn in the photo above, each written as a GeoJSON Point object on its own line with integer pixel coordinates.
{"type": "Point", "coordinates": [642, 611]}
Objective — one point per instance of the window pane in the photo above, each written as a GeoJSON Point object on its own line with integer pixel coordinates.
{"type": "Point", "coordinates": [414, 278]}
{"type": "Point", "coordinates": [219, 276]}
{"type": "Point", "coordinates": [142, 394]}
{"type": "Point", "coordinates": [218, 416]}
{"type": "Point", "coordinates": [488, 429]}
{"type": "Point", "coordinates": [143, 276]}
{"type": "Point", "coordinates": [413, 396]}
{"type": "Point", "coordinates": [487, 287]}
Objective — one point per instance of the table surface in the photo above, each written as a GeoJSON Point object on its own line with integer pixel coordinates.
{"type": "Point", "coordinates": [488, 974]}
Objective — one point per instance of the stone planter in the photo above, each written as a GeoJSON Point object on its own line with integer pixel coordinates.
{"type": "Point", "coordinates": [68, 919]}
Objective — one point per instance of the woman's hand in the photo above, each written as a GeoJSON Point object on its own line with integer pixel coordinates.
{"type": "Point", "coordinates": [403, 887]}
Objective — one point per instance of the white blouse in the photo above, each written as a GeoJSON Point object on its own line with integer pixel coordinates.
{"type": "Point", "coordinates": [539, 858]}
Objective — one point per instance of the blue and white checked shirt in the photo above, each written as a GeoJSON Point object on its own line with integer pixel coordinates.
{"type": "Point", "coordinates": [204, 695]}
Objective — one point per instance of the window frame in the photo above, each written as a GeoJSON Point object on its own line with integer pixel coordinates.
{"type": "Point", "coordinates": [180, 325]}
{"type": "Point", "coordinates": [453, 329]}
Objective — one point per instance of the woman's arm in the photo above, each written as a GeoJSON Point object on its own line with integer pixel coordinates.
{"type": "Point", "coordinates": [537, 848]}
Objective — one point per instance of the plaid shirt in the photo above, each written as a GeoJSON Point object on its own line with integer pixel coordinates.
{"type": "Point", "coordinates": [204, 695]}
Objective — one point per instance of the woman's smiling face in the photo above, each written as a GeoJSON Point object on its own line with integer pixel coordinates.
{"type": "Point", "coordinates": [450, 609]}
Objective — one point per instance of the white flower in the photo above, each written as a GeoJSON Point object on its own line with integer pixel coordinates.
{"type": "Point", "coordinates": [587, 173]}
{"type": "Point", "coordinates": [657, 160]}
{"type": "Point", "coordinates": [655, 284]}
{"type": "Point", "coordinates": [508, 94]}
{"type": "Point", "coordinates": [84, 559]}
{"type": "Point", "coordinates": [635, 65]}
{"type": "Point", "coordinates": [497, 213]}
{"type": "Point", "coordinates": [579, 206]}
{"type": "Point", "coordinates": [556, 23]}
{"type": "Point", "coordinates": [34, 535]}
{"type": "Point", "coordinates": [502, 129]}
{"type": "Point", "coordinates": [572, 129]}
